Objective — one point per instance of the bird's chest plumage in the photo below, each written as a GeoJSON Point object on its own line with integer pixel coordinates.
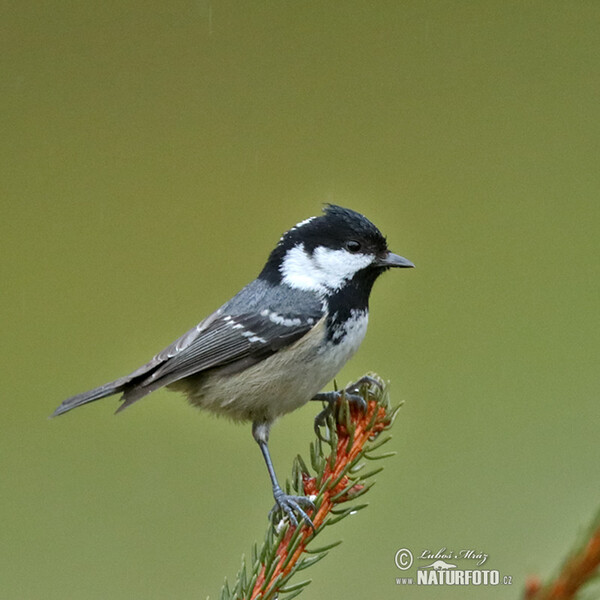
{"type": "Point", "coordinates": [287, 379]}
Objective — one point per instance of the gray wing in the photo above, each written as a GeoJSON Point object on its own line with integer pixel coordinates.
{"type": "Point", "coordinates": [229, 336]}
{"type": "Point", "coordinates": [229, 339]}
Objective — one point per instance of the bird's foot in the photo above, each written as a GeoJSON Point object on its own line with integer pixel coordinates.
{"type": "Point", "coordinates": [289, 505]}
{"type": "Point", "coordinates": [350, 393]}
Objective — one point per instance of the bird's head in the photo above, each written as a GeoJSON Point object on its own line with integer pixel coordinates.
{"type": "Point", "coordinates": [322, 254]}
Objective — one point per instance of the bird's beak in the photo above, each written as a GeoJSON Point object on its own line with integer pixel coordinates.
{"type": "Point", "coordinates": [393, 260]}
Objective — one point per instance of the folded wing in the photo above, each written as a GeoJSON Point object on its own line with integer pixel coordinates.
{"type": "Point", "coordinates": [221, 339]}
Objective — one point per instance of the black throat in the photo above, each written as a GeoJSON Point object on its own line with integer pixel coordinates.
{"type": "Point", "coordinates": [349, 301]}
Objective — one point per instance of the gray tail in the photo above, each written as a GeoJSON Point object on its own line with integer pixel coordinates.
{"type": "Point", "coordinates": [134, 386]}
{"type": "Point", "coordinates": [108, 389]}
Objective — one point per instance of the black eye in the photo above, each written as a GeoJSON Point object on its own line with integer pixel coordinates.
{"type": "Point", "coordinates": [353, 246]}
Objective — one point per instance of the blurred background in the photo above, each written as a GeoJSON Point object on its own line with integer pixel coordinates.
{"type": "Point", "coordinates": [152, 154]}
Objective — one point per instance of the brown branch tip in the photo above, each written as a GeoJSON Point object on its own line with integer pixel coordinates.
{"type": "Point", "coordinates": [575, 573]}
{"type": "Point", "coordinates": [352, 431]}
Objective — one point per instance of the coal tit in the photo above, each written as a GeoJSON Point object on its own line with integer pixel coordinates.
{"type": "Point", "coordinates": [277, 342]}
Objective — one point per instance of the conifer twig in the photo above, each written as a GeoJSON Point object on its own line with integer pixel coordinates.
{"type": "Point", "coordinates": [575, 573]}
{"type": "Point", "coordinates": [352, 435]}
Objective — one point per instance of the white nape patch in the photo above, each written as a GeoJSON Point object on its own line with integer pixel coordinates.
{"type": "Point", "coordinates": [297, 226]}
{"type": "Point", "coordinates": [323, 271]}
{"type": "Point", "coordinates": [302, 223]}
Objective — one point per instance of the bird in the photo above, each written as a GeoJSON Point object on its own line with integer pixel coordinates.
{"type": "Point", "coordinates": [276, 343]}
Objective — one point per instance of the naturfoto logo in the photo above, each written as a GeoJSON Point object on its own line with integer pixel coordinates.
{"type": "Point", "coordinates": [442, 567]}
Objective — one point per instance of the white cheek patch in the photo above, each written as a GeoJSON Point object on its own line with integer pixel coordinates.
{"type": "Point", "coordinates": [338, 266]}
{"type": "Point", "coordinates": [325, 270]}
{"type": "Point", "coordinates": [298, 270]}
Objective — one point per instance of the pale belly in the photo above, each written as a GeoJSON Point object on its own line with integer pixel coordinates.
{"type": "Point", "coordinates": [277, 385]}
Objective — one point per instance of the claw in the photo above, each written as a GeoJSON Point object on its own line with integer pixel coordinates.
{"type": "Point", "coordinates": [320, 421]}
{"type": "Point", "coordinates": [350, 392]}
{"type": "Point", "coordinates": [357, 400]}
{"type": "Point", "coordinates": [291, 504]}
{"type": "Point", "coordinates": [365, 379]}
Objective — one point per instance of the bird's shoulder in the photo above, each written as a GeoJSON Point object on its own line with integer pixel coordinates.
{"type": "Point", "coordinates": [259, 320]}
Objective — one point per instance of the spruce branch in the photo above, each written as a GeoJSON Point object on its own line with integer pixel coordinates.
{"type": "Point", "coordinates": [577, 570]}
{"type": "Point", "coordinates": [352, 438]}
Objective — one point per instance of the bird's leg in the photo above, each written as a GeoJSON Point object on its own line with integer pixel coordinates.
{"type": "Point", "coordinates": [285, 502]}
{"type": "Point", "coordinates": [350, 393]}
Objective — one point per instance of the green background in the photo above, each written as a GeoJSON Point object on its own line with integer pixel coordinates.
{"type": "Point", "coordinates": [152, 154]}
